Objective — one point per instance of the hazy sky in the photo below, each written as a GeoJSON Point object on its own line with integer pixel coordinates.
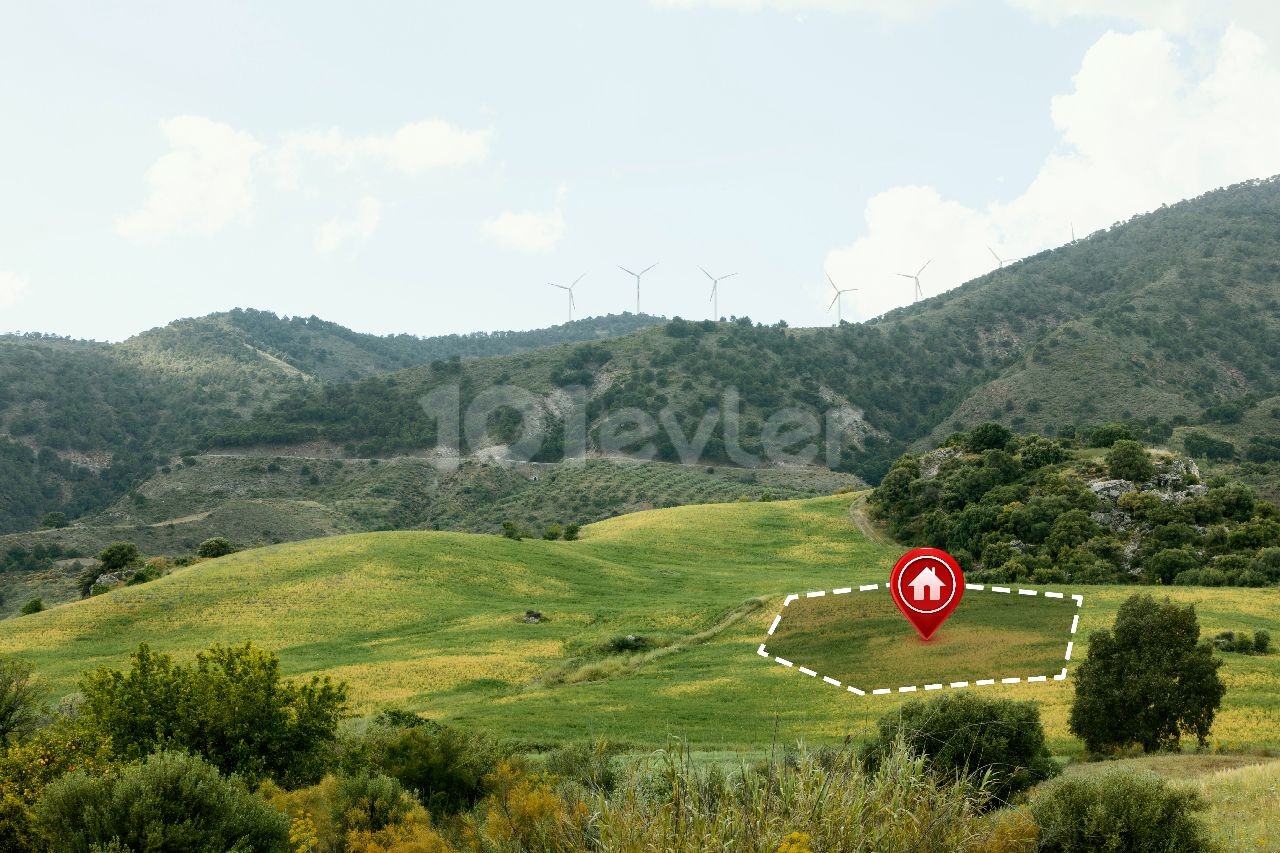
{"type": "Point", "coordinates": [429, 167]}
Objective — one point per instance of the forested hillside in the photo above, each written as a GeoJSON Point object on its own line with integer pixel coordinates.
{"type": "Point", "coordinates": [82, 422]}
{"type": "Point", "coordinates": [1167, 322]}
{"type": "Point", "coordinates": [1159, 321]}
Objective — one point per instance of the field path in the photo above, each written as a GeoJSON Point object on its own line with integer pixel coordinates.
{"type": "Point", "coordinates": [862, 521]}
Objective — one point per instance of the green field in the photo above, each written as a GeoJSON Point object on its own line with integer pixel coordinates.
{"type": "Point", "coordinates": [434, 622]}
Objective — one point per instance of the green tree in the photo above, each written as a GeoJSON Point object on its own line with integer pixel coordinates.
{"type": "Point", "coordinates": [969, 735]}
{"type": "Point", "coordinates": [20, 696]}
{"type": "Point", "coordinates": [170, 803]}
{"type": "Point", "coordinates": [1147, 681]}
{"type": "Point", "coordinates": [1168, 564]}
{"type": "Point", "coordinates": [54, 520]}
{"type": "Point", "coordinates": [35, 605]}
{"type": "Point", "coordinates": [119, 556]}
{"type": "Point", "coordinates": [229, 705]}
{"type": "Point", "coordinates": [1108, 434]}
{"type": "Point", "coordinates": [988, 436]}
{"type": "Point", "coordinates": [1128, 460]}
{"type": "Point", "coordinates": [215, 547]}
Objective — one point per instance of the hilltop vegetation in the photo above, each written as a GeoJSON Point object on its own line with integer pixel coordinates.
{"type": "Point", "coordinates": [1032, 509]}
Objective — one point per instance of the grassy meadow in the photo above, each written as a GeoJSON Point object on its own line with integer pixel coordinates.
{"type": "Point", "coordinates": [434, 622]}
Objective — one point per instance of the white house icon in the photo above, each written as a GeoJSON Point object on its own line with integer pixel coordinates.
{"type": "Point", "coordinates": [928, 579]}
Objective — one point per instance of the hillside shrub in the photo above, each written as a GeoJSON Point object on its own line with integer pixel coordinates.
{"type": "Point", "coordinates": [988, 436]}
{"type": "Point", "coordinates": [119, 556]}
{"type": "Point", "coordinates": [20, 699]}
{"type": "Point", "coordinates": [230, 705]}
{"type": "Point", "coordinates": [1108, 434]}
{"type": "Point", "coordinates": [1128, 460]}
{"type": "Point", "coordinates": [1244, 643]}
{"type": "Point", "coordinates": [170, 802]}
{"type": "Point", "coordinates": [1147, 680]}
{"type": "Point", "coordinates": [553, 532]}
{"type": "Point", "coordinates": [215, 547]}
{"type": "Point", "coordinates": [571, 531]}
{"type": "Point", "coordinates": [1118, 812]}
{"type": "Point", "coordinates": [967, 735]}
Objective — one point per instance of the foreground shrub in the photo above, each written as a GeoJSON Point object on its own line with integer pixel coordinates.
{"type": "Point", "coordinates": [1118, 812]}
{"type": "Point", "coordinates": [969, 735]}
{"type": "Point", "coordinates": [229, 705]}
{"type": "Point", "coordinates": [590, 763]}
{"type": "Point", "coordinates": [171, 803]}
{"type": "Point", "coordinates": [832, 799]}
{"type": "Point", "coordinates": [444, 766]}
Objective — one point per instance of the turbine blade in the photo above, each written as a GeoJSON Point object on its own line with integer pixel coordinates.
{"type": "Point", "coordinates": [578, 279]}
{"type": "Point", "coordinates": [730, 275]}
{"type": "Point", "coordinates": [994, 255]}
{"type": "Point", "coordinates": [646, 269]}
{"type": "Point", "coordinates": [926, 263]}
{"type": "Point", "coordinates": [707, 274]}
{"type": "Point", "coordinates": [625, 270]}
{"type": "Point", "coordinates": [833, 284]}
{"type": "Point", "coordinates": [904, 275]}
{"type": "Point", "coordinates": [833, 300]}
{"type": "Point", "coordinates": [561, 286]}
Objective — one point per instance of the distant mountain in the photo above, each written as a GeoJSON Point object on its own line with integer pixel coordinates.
{"type": "Point", "coordinates": [1154, 321]}
{"type": "Point", "coordinates": [82, 422]}
{"type": "Point", "coordinates": [1165, 321]}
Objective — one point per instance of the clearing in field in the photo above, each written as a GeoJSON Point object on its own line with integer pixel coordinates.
{"type": "Point", "coordinates": [860, 640]}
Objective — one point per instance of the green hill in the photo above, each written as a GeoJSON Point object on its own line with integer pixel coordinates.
{"type": "Point", "coordinates": [649, 626]}
{"type": "Point", "coordinates": [82, 422]}
{"type": "Point", "coordinates": [1158, 321]}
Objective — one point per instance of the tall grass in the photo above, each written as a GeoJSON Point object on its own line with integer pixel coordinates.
{"type": "Point", "coordinates": [814, 801]}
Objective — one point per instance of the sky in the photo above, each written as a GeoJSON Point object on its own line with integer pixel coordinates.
{"type": "Point", "coordinates": [431, 168]}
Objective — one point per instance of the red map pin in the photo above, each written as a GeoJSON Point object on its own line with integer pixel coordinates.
{"type": "Point", "coordinates": [926, 584]}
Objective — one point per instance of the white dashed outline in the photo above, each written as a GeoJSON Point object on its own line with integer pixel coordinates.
{"type": "Point", "coordinates": [763, 651]}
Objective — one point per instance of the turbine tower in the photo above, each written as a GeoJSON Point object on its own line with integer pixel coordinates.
{"type": "Point", "coordinates": [1002, 261]}
{"type": "Point", "coordinates": [569, 290]}
{"type": "Point", "coordinates": [715, 291]}
{"type": "Point", "coordinates": [637, 275]}
{"type": "Point", "coordinates": [916, 279]}
{"type": "Point", "coordinates": [836, 300]}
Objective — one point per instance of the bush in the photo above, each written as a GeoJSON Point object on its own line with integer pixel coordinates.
{"type": "Point", "coordinates": [590, 763]}
{"type": "Point", "coordinates": [445, 766]}
{"type": "Point", "coordinates": [1116, 812]}
{"type": "Point", "coordinates": [571, 532]}
{"type": "Point", "coordinates": [968, 735]}
{"type": "Point", "coordinates": [1147, 680]}
{"type": "Point", "coordinates": [1261, 642]}
{"type": "Point", "coordinates": [553, 532]}
{"type": "Point", "coordinates": [229, 705]}
{"type": "Point", "coordinates": [988, 436]}
{"type": "Point", "coordinates": [20, 705]}
{"type": "Point", "coordinates": [35, 605]}
{"type": "Point", "coordinates": [1128, 460]}
{"type": "Point", "coordinates": [1244, 644]}
{"type": "Point", "coordinates": [119, 556]}
{"type": "Point", "coordinates": [54, 520]}
{"type": "Point", "coordinates": [1108, 434]}
{"type": "Point", "coordinates": [512, 531]}
{"type": "Point", "coordinates": [215, 547]}
{"type": "Point", "coordinates": [170, 802]}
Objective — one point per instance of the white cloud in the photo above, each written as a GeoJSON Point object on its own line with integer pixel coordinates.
{"type": "Point", "coordinates": [412, 150]}
{"type": "Point", "coordinates": [529, 230]}
{"type": "Point", "coordinates": [1140, 129]}
{"type": "Point", "coordinates": [201, 185]}
{"type": "Point", "coordinates": [359, 228]}
{"type": "Point", "coordinates": [12, 288]}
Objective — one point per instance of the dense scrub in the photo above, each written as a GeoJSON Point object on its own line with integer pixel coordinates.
{"type": "Point", "coordinates": [1033, 509]}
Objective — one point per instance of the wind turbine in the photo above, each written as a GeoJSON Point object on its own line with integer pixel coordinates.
{"type": "Point", "coordinates": [715, 294]}
{"type": "Point", "coordinates": [836, 301]}
{"type": "Point", "coordinates": [569, 290]}
{"type": "Point", "coordinates": [916, 279]}
{"type": "Point", "coordinates": [1002, 261]}
{"type": "Point", "coordinates": [637, 275]}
